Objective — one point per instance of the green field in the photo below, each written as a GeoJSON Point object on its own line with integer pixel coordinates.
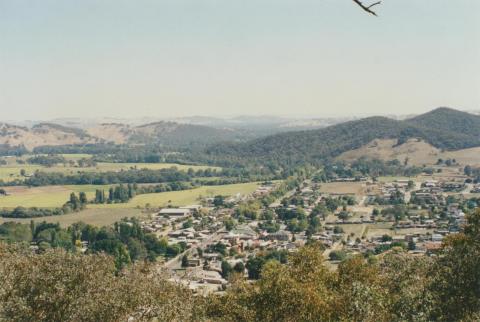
{"type": "Point", "coordinates": [97, 217]}
{"type": "Point", "coordinates": [392, 179]}
{"type": "Point", "coordinates": [45, 197]}
{"type": "Point", "coordinates": [185, 197]}
{"type": "Point", "coordinates": [11, 171]}
{"type": "Point", "coordinates": [56, 196]}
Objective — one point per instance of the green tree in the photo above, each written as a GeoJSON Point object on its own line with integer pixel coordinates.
{"type": "Point", "coordinates": [226, 269]}
{"type": "Point", "coordinates": [239, 267]}
{"type": "Point", "coordinates": [74, 201]}
{"type": "Point", "coordinates": [456, 283]}
{"type": "Point", "coordinates": [218, 201]}
{"type": "Point", "coordinates": [83, 198]}
{"type": "Point", "coordinates": [184, 261]}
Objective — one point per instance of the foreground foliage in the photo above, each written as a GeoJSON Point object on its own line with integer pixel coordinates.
{"type": "Point", "coordinates": [65, 286]}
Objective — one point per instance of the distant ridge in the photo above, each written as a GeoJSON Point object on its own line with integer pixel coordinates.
{"type": "Point", "coordinates": [448, 119]}
{"type": "Point", "coordinates": [444, 128]}
{"type": "Point", "coordinates": [162, 133]}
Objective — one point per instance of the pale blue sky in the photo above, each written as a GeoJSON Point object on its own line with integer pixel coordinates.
{"type": "Point", "coordinates": [62, 58]}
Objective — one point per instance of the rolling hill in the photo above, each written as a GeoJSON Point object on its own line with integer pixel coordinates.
{"type": "Point", "coordinates": [442, 128]}
{"type": "Point", "coordinates": [42, 134]}
{"type": "Point", "coordinates": [163, 134]}
{"type": "Point", "coordinates": [168, 134]}
{"type": "Point", "coordinates": [416, 151]}
{"type": "Point", "coordinates": [449, 120]}
{"type": "Point", "coordinates": [171, 133]}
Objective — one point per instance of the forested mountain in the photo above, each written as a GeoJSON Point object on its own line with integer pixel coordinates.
{"type": "Point", "coordinates": [451, 121]}
{"type": "Point", "coordinates": [443, 128]}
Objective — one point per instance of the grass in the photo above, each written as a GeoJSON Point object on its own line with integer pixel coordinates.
{"type": "Point", "coordinates": [56, 196]}
{"type": "Point", "coordinates": [356, 229]}
{"type": "Point", "coordinates": [343, 187]}
{"type": "Point", "coordinates": [393, 178]}
{"type": "Point", "coordinates": [11, 171]}
{"type": "Point", "coordinates": [185, 197]}
{"type": "Point", "coordinates": [44, 197]}
{"type": "Point", "coordinates": [96, 217]}
{"type": "Point", "coordinates": [77, 156]}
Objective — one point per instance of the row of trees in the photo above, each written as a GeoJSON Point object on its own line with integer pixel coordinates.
{"type": "Point", "coordinates": [47, 160]}
{"type": "Point", "coordinates": [74, 204]}
{"type": "Point", "coordinates": [366, 167]}
{"type": "Point", "coordinates": [123, 193]}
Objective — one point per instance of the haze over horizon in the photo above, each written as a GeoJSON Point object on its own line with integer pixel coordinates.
{"type": "Point", "coordinates": [208, 57]}
{"type": "Point", "coordinates": [296, 119]}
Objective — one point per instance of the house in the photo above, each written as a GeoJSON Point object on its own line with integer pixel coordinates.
{"type": "Point", "coordinates": [194, 262]}
{"type": "Point", "coordinates": [262, 191]}
{"type": "Point", "coordinates": [279, 235]}
{"type": "Point", "coordinates": [175, 212]}
{"type": "Point", "coordinates": [242, 232]}
{"type": "Point", "coordinates": [192, 208]}
{"type": "Point", "coordinates": [437, 237]}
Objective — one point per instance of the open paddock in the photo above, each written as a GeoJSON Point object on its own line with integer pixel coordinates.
{"type": "Point", "coordinates": [394, 178]}
{"type": "Point", "coordinates": [11, 171]}
{"type": "Point", "coordinates": [44, 197]}
{"type": "Point", "coordinates": [355, 229]}
{"type": "Point", "coordinates": [184, 197]}
{"type": "Point", "coordinates": [56, 196]}
{"type": "Point", "coordinates": [96, 217]}
{"type": "Point", "coordinates": [356, 188]}
{"type": "Point", "coordinates": [380, 229]}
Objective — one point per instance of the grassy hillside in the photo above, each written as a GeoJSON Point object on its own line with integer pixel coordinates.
{"type": "Point", "coordinates": [443, 128]}
{"type": "Point", "coordinates": [164, 134]}
{"type": "Point", "coordinates": [170, 133]}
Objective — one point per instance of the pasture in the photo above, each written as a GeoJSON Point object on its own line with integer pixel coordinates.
{"type": "Point", "coordinates": [44, 197]}
{"type": "Point", "coordinates": [56, 196]}
{"type": "Point", "coordinates": [184, 197]}
{"type": "Point", "coordinates": [356, 188]}
{"type": "Point", "coordinates": [96, 217]}
{"type": "Point", "coordinates": [11, 171]}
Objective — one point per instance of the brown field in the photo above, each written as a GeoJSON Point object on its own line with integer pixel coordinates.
{"type": "Point", "coordinates": [343, 188]}
{"type": "Point", "coordinates": [356, 230]}
{"type": "Point", "coordinates": [96, 217]}
{"type": "Point", "coordinates": [453, 173]}
{"type": "Point", "coordinates": [463, 157]}
{"type": "Point", "coordinates": [418, 153]}
{"type": "Point", "coordinates": [380, 229]}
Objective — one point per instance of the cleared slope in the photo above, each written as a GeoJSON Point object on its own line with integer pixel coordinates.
{"type": "Point", "coordinates": [442, 128]}
{"type": "Point", "coordinates": [418, 153]}
{"type": "Point", "coordinates": [42, 134]}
